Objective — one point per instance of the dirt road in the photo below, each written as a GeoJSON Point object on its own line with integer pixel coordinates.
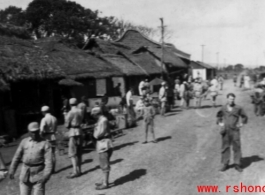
{"type": "Point", "coordinates": [187, 155]}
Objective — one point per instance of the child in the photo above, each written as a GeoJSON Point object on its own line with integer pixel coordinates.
{"type": "Point", "coordinates": [149, 114]}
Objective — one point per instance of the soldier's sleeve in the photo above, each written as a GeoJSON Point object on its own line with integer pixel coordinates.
{"type": "Point", "coordinates": [244, 116]}
{"type": "Point", "coordinates": [47, 160]}
{"type": "Point", "coordinates": [219, 116]}
{"type": "Point", "coordinates": [17, 158]}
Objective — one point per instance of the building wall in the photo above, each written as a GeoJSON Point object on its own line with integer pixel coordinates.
{"type": "Point", "coordinates": [199, 73]}
{"type": "Point", "coordinates": [120, 80]}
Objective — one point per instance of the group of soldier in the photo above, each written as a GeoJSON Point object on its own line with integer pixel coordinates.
{"type": "Point", "coordinates": [37, 152]}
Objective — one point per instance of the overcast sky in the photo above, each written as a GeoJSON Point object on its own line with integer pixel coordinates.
{"type": "Point", "coordinates": [234, 28]}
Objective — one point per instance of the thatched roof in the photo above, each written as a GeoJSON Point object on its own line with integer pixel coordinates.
{"type": "Point", "coordinates": [106, 47]}
{"type": "Point", "coordinates": [135, 40]}
{"type": "Point", "coordinates": [69, 83]}
{"type": "Point", "coordinates": [207, 66]}
{"type": "Point", "coordinates": [195, 65]}
{"type": "Point", "coordinates": [125, 65]}
{"type": "Point", "coordinates": [147, 62]}
{"type": "Point", "coordinates": [169, 57]}
{"type": "Point", "coordinates": [76, 63]}
{"type": "Point", "coordinates": [23, 59]}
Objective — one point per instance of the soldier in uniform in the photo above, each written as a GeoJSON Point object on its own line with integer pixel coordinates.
{"type": "Point", "coordinates": [48, 129]}
{"type": "Point", "coordinates": [73, 123]}
{"type": "Point", "coordinates": [104, 147]}
{"type": "Point", "coordinates": [36, 156]}
{"type": "Point", "coordinates": [228, 118]}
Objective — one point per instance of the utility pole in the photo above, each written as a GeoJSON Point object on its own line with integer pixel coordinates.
{"type": "Point", "coordinates": [224, 62]}
{"type": "Point", "coordinates": [217, 58]}
{"type": "Point", "coordinates": [162, 46]}
{"type": "Point", "coordinates": [202, 52]}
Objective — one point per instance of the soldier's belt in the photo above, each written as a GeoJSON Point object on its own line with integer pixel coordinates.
{"type": "Point", "coordinates": [34, 165]}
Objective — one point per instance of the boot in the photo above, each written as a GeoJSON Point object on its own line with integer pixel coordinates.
{"type": "Point", "coordinates": [224, 168]}
{"type": "Point", "coordinates": [238, 168]}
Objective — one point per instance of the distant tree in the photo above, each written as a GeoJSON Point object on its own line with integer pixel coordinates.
{"type": "Point", "coordinates": [239, 67]}
{"type": "Point", "coordinates": [67, 19]}
{"type": "Point", "coordinates": [229, 68]}
{"type": "Point", "coordinates": [13, 15]}
{"type": "Point", "coordinates": [261, 68]}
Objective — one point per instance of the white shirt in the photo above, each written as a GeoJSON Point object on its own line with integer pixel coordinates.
{"type": "Point", "coordinates": [177, 87]}
{"type": "Point", "coordinates": [141, 85]}
{"type": "Point", "coordinates": [128, 97]}
{"type": "Point", "coordinates": [48, 124]}
{"type": "Point", "coordinates": [139, 105]}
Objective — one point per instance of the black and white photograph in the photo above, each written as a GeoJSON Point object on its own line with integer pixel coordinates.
{"type": "Point", "coordinates": [122, 97]}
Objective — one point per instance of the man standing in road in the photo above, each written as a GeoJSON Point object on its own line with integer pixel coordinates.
{"type": "Point", "coordinates": [36, 155]}
{"type": "Point", "coordinates": [228, 119]}
{"type": "Point", "coordinates": [48, 129]}
{"type": "Point", "coordinates": [163, 97]}
{"type": "Point", "coordinates": [221, 82]}
{"type": "Point", "coordinates": [104, 147]}
{"type": "Point", "coordinates": [73, 123]}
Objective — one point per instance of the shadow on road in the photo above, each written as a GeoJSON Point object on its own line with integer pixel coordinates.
{"type": "Point", "coordinates": [97, 167]}
{"type": "Point", "coordinates": [70, 166]}
{"type": "Point", "coordinates": [247, 161]}
{"type": "Point", "coordinates": [124, 145]}
{"type": "Point", "coordinates": [210, 106]}
{"type": "Point", "coordinates": [136, 174]}
{"type": "Point", "coordinates": [160, 139]}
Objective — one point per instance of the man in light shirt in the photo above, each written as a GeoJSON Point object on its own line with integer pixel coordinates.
{"type": "Point", "coordinates": [141, 87]}
{"type": "Point", "coordinates": [104, 147]}
{"type": "Point", "coordinates": [73, 123]}
{"type": "Point", "coordinates": [129, 97]}
{"type": "Point", "coordinates": [48, 129]}
{"type": "Point", "coordinates": [163, 97]}
{"type": "Point", "coordinates": [139, 107]}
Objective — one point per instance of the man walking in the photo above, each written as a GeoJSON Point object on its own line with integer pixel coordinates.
{"type": "Point", "coordinates": [198, 90]}
{"type": "Point", "coordinates": [73, 123]}
{"type": "Point", "coordinates": [221, 82]}
{"type": "Point", "coordinates": [48, 129]}
{"type": "Point", "coordinates": [36, 155]}
{"type": "Point", "coordinates": [228, 118]}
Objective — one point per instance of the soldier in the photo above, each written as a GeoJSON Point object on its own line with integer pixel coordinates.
{"type": "Point", "coordinates": [36, 155]}
{"type": "Point", "coordinates": [149, 114]}
{"type": "Point", "coordinates": [83, 107]}
{"type": "Point", "coordinates": [73, 123]}
{"type": "Point", "coordinates": [228, 118]}
{"type": "Point", "coordinates": [104, 147]}
{"type": "Point", "coordinates": [48, 129]}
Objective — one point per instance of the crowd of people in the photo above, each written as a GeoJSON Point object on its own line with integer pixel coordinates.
{"type": "Point", "coordinates": [37, 152]}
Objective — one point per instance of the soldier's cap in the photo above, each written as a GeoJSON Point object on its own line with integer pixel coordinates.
{"type": "Point", "coordinates": [33, 126]}
{"type": "Point", "coordinates": [45, 108]}
{"type": "Point", "coordinates": [73, 101]}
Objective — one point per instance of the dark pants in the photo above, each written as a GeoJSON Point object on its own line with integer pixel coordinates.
{"type": "Point", "coordinates": [231, 138]}
{"type": "Point", "coordinates": [258, 109]}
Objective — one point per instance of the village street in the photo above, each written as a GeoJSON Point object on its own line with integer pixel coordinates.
{"type": "Point", "coordinates": [187, 155]}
